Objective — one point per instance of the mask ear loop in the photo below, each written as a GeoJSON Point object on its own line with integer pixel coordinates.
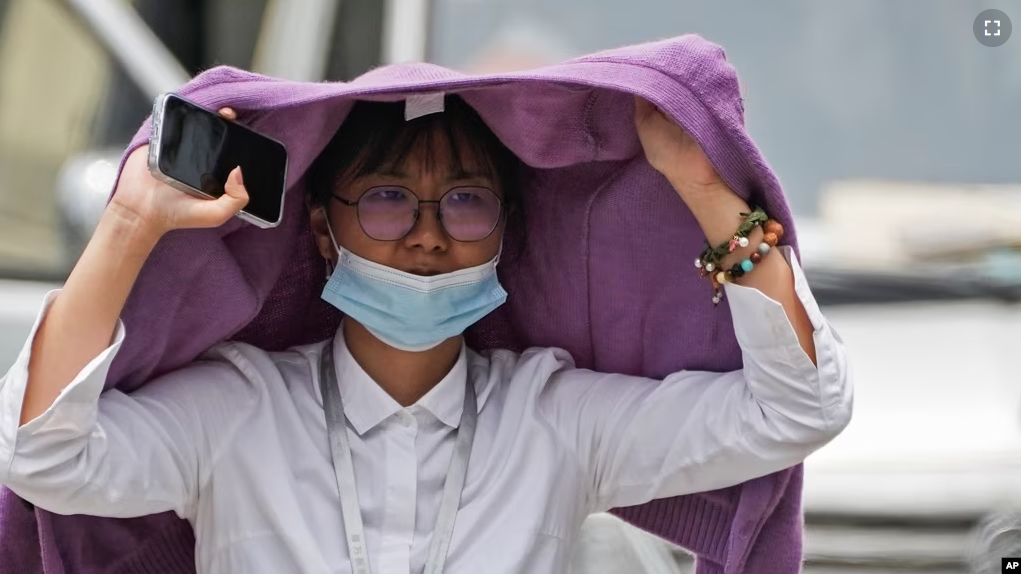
{"type": "Point", "coordinates": [330, 265]}
{"type": "Point", "coordinates": [496, 260]}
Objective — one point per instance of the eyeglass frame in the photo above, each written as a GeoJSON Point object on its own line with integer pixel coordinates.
{"type": "Point", "coordinates": [418, 212]}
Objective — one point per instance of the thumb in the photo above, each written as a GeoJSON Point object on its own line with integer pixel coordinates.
{"type": "Point", "coordinates": [235, 195]}
{"type": "Point", "coordinates": [206, 213]}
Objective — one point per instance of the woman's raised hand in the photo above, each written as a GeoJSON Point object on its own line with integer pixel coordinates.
{"type": "Point", "coordinates": [674, 153]}
{"type": "Point", "coordinates": [82, 320]}
{"type": "Point", "coordinates": [157, 208]}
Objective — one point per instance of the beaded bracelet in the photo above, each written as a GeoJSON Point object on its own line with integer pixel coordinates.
{"type": "Point", "coordinates": [709, 262]}
{"type": "Point", "coordinates": [711, 257]}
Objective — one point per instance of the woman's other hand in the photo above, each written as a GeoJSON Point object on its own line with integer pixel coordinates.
{"type": "Point", "coordinates": [674, 153]}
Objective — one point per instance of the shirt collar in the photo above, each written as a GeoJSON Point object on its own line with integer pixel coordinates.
{"type": "Point", "coordinates": [446, 400]}
{"type": "Point", "coordinates": [366, 404]}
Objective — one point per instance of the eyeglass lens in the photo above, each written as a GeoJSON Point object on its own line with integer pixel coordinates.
{"type": "Point", "coordinates": [466, 213]}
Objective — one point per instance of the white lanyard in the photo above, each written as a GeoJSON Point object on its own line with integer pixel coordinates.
{"type": "Point", "coordinates": [336, 426]}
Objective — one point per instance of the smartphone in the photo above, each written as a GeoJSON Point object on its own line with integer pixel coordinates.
{"type": "Point", "coordinates": [193, 149]}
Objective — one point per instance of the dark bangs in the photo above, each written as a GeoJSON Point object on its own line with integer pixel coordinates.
{"type": "Point", "coordinates": [375, 138]}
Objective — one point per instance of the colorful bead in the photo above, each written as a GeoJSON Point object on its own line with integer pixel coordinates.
{"type": "Point", "coordinates": [774, 227]}
{"type": "Point", "coordinates": [709, 263]}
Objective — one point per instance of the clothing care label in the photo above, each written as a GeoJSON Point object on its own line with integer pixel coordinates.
{"type": "Point", "coordinates": [422, 105]}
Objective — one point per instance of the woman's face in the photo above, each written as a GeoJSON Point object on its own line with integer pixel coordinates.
{"type": "Point", "coordinates": [427, 249]}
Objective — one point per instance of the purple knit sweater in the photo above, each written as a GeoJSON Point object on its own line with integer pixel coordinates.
{"type": "Point", "coordinates": [607, 275]}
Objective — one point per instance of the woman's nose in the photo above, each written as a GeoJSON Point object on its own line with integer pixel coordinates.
{"type": "Point", "coordinates": [428, 232]}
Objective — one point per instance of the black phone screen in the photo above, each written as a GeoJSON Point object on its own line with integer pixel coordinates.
{"type": "Point", "coordinates": [199, 148]}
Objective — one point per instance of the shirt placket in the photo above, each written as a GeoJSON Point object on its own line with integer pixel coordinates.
{"type": "Point", "coordinates": [401, 495]}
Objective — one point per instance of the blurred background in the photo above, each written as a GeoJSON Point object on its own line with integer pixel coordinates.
{"type": "Point", "coordinates": [896, 133]}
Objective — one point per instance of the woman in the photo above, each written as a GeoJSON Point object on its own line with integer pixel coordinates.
{"type": "Point", "coordinates": [251, 447]}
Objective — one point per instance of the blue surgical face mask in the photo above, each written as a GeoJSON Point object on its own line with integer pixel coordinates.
{"type": "Point", "coordinates": [411, 312]}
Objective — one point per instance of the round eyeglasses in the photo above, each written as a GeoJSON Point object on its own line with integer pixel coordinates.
{"type": "Point", "coordinates": [389, 212]}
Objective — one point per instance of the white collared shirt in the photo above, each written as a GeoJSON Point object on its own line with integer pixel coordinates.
{"type": "Point", "coordinates": [236, 443]}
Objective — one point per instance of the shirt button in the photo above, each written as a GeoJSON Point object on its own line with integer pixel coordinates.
{"type": "Point", "coordinates": [406, 420]}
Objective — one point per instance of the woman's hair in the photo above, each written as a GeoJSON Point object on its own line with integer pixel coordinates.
{"type": "Point", "coordinates": [376, 138]}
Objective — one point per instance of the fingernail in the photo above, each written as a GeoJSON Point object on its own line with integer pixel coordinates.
{"type": "Point", "coordinates": [237, 176]}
